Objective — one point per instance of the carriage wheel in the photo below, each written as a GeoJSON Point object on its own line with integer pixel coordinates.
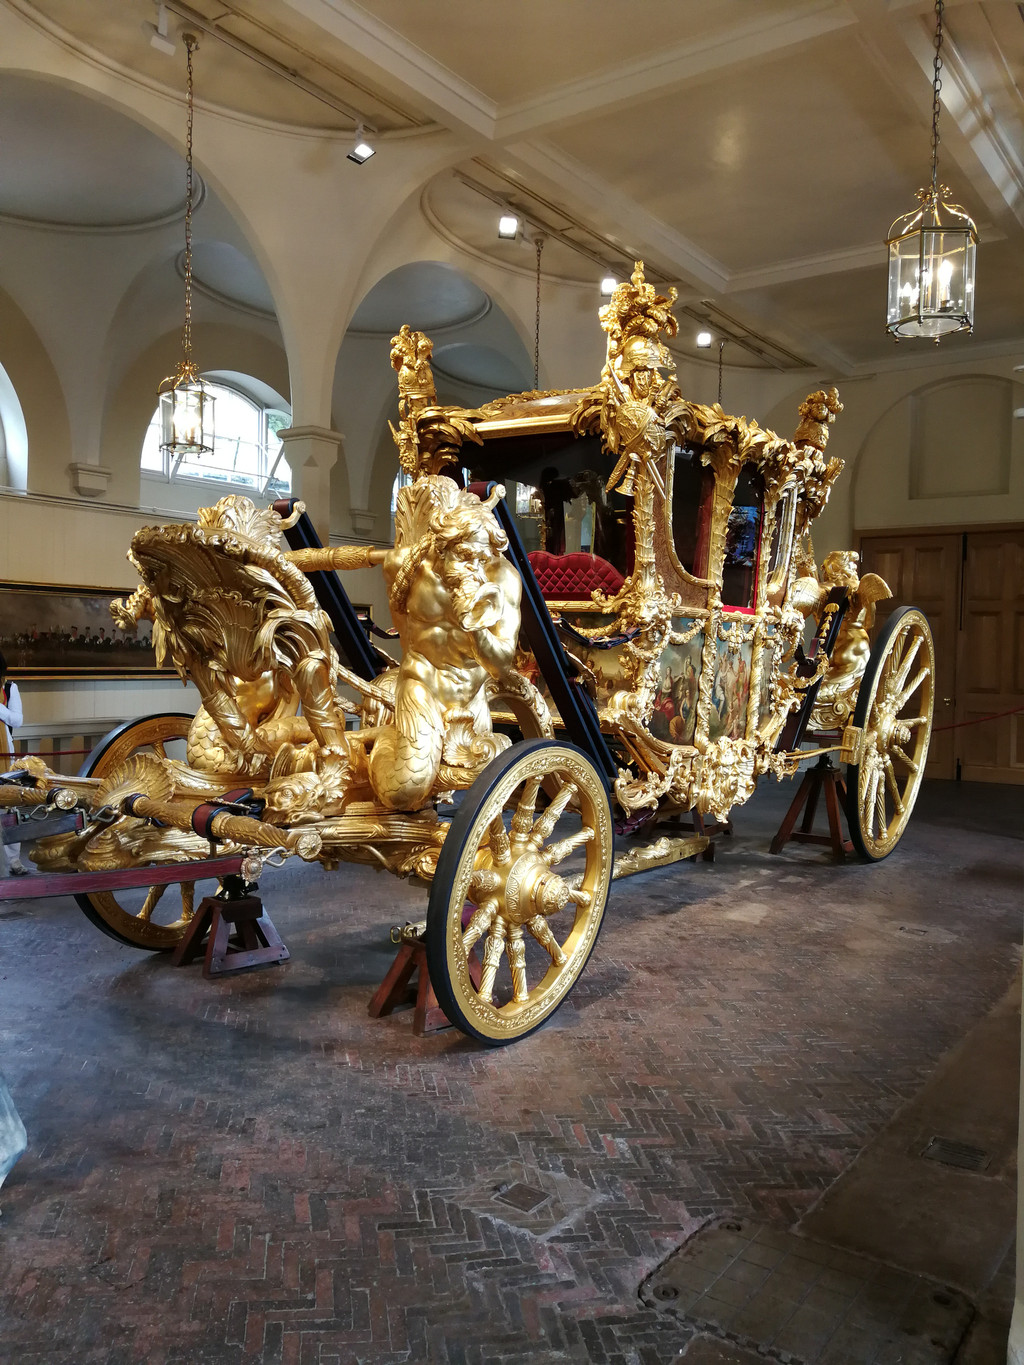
{"type": "Point", "coordinates": [524, 874]}
{"type": "Point", "coordinates": [153, 917]}
{"type": "Point", "coordinates": [894, 712]}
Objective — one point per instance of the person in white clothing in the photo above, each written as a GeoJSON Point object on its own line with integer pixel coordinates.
{"type": "Point", "coordinates": [10, 718]}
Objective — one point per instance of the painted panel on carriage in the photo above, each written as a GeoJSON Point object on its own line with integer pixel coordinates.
{"type": "Point", "coordinates": [605, 664]}
{"type": "Point", "coordinates": [675, 705]}
{"type": "Point", "coordinates": [730, 691]}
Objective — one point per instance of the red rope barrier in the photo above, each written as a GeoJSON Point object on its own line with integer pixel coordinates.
{"type": "Point", "coordinates": [978, 720]}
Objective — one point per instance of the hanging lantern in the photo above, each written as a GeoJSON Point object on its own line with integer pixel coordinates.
{"type": "Point", "coordinates": [186, 406]}
{"type": "Point", "coordinates": [932, 250]}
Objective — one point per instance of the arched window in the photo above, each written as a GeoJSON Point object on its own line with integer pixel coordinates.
{"type": "Point", "coordinates": [248, 455]}
{"type": "Point", "coordinates": [13, 437]}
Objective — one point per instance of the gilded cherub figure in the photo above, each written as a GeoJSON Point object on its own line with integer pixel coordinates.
{"type": "Point", "coordinates": [818, 411]}
{"type": "Point", "coordinates": [410, 356]}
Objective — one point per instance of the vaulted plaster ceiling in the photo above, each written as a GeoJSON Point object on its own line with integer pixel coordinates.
{"type": "Point", "coordinates": [753, 153]}
{"type": "Point", "coordinates": [67, 160]}
{"type": "Point", "coordinates": [427, 295]}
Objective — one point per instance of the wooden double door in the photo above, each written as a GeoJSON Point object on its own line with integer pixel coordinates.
{"type": "Point", "coordinates": [970, 585]}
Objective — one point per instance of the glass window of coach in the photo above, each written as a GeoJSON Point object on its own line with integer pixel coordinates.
{"type": "Point", "coordinates": [743, 542]}
{"type": "Point", "coordinates": [248, 453]}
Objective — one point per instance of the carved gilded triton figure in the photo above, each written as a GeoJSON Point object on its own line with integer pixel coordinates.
{"type": "Point", "coordinates": [454, 599]}
{"type": "Point", "coordinates": [674, 643]}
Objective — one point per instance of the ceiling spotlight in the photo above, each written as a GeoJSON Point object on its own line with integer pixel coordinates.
{"type": "Point", "coordinates": [704, 340]}
{"type": "Point", "coordinates": [508, 227]}
{"type": "Point", "coordinates": [361, 148]}
{"type": "Point", "coordinates": [608, 286]}
{"type": "Point", "coordinates": [159, 34]}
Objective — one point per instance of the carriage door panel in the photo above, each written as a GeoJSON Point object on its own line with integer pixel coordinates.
{"type": "Point", "coordinates": [991, 658]}
{"type": "Point", "coordinates": [924, 571]}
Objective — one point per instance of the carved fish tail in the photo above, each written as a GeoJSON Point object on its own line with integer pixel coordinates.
{"type": "Point", "coordinates": [403, 768]}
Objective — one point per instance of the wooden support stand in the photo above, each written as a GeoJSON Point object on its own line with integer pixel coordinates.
{"type": "Point", "coordinates": [235, 933]}
{"type": "Point", "coordinates": [397, 988]}
{"type": "Point", "coordinates": [824, 776]}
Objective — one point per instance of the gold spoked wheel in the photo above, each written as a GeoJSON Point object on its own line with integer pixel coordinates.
{"type": "Point", "coordinates": [153, 917]}
{"type": "Point", "coordinates": [520, 890]}
{"type": "Point", "coordinates": [894, 712]}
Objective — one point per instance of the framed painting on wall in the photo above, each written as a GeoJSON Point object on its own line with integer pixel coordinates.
{"type": "Point", "coordinates": [48, 631]}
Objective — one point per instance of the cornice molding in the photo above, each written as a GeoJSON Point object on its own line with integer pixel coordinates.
{"type": "Point", "coordinates": [461, 103]}
{"type": "Point", "coordinates": [110, 68]}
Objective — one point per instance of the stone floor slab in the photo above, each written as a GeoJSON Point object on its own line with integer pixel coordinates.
{"type": "Point", "coordinates": [802, 1308]}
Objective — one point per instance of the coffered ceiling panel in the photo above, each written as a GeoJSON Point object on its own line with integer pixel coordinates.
{"type": "Point", "coordinates": [811, 156]}
{"type": "Point", "coordinates": [514, 51]}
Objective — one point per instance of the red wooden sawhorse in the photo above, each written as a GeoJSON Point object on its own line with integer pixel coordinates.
{"type": "Point", "coordinates": [232, 926]}
{"type": "Point", "coordinates": [824, 776]}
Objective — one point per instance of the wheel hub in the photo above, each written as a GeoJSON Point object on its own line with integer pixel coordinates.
{"type": "Point", "coordinates": [531, 888]}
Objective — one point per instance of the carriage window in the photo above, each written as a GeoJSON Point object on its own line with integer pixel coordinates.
{"type": "Point", "coordinates": [693, 491]}
{"type": "Point", "coordinates": [742, 541]}
{"type": "Point", "coordinates": [782, 540]}
{"type": "Point", "coordinates": [556, 490]}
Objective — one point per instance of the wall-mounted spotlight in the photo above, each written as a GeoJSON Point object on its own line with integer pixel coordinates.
{"type": "Point", "coordinates": [159, 34]}
{"type": "Point", "coordinates": [609, 284]}
{"type": "Point", "coordinates": [508, 227]}
{"type": "Point", "coordinates": [362, 150]}
{"type": "Point", "coordinates": [704, 340]}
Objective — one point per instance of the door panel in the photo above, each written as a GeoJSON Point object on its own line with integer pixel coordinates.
{"type": "Point", "coordinates": [924, 571]}
{"type": "Point", "coordinates": [991, 660]}
{"type": "Point", "coordinates": [970, 585]}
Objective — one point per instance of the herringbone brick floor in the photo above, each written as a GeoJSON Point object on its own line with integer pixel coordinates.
{"type": "Point", "coordinates": [252, 1170]}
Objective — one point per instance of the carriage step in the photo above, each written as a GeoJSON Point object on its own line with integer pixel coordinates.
{"type": "Point", "coordinates": [235, 934]}
{"type": "Point", "coordinates": [660, 853]}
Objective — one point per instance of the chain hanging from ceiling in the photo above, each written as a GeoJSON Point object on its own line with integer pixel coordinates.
{"type": "Point", "coordinates": [539, 245]}
{"type": "Point", "coordinates": [186, 407]}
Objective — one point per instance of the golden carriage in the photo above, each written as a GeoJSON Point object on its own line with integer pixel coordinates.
{"type": "Point", "coordinates": [610, 622]}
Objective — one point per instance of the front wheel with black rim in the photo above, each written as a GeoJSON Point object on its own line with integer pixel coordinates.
{"type": "Point", "coordinates": [520, 890]}
{"type": "Point", "coordinates": [894, 714]}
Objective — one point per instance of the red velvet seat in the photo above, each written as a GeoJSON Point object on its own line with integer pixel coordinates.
{"type": "Point", "coordinates": [573, 577]}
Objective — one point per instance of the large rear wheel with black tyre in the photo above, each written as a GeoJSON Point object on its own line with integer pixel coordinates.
{"type": "Point", "coordinates": [522, 880]}
{"type": "Point", "coordinates": [894, 713]}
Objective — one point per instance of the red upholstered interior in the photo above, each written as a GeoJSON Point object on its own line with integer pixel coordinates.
{"type": "Point", "coordinates": [573, 577]}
